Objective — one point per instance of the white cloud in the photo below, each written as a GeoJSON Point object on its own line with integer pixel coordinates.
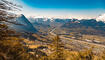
{"type": "Point", "coordinates": [101, 18]}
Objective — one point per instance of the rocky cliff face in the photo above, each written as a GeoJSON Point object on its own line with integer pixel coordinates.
{"type": "Point", "coordinates": [24, 25]}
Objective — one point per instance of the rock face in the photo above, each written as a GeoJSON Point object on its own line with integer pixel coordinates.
{"type": "Point", "coordinates": [24, 25]}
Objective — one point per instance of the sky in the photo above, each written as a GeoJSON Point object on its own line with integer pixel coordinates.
{"type": "Point", "coordinates": [62, 8]}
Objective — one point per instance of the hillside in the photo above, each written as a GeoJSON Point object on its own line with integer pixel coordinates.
{"type": "Point", "coordinates": [91, 27]}
{"type": "Point", "coordinates": [24, 25]}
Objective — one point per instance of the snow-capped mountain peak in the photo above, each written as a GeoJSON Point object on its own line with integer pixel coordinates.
{"type": "Point", "coordinates": [101, 18]}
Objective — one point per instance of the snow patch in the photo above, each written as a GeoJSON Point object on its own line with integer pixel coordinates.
{"type": "Point", "coordinates": [101, 18]}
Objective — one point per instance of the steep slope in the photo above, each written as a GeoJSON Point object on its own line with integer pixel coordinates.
{"type": "Point", "coordinates": [24, 25]}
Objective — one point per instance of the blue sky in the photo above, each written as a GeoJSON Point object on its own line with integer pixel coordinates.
{"type": "Point", "coordinates": [66, 4]}
{"type": "Point", "coordinates": [63, 8]}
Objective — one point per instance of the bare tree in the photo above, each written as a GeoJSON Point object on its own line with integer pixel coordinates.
{"type": "Point", "coordinates": [5, 7]}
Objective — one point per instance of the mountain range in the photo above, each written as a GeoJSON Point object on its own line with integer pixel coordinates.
{"type": "Point", "coordinates": [83, 26]}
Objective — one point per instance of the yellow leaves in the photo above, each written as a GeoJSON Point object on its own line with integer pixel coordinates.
{"type": "Point", "coordinates": [2, 26]}
{"type": "Point", "coordinates": [11, 44]}
{"type": "Point", "coordinates": [85, 53]}
{"type": "Point", "coordinates": [71, 55]}
{"type": "Point", "coordinates": [66, 55]}
{"type": "Point", "coordinates": [33, 46]}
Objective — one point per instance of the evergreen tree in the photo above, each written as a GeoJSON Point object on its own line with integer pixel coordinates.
{"type": "Point", "coordinates": [58, 50]}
